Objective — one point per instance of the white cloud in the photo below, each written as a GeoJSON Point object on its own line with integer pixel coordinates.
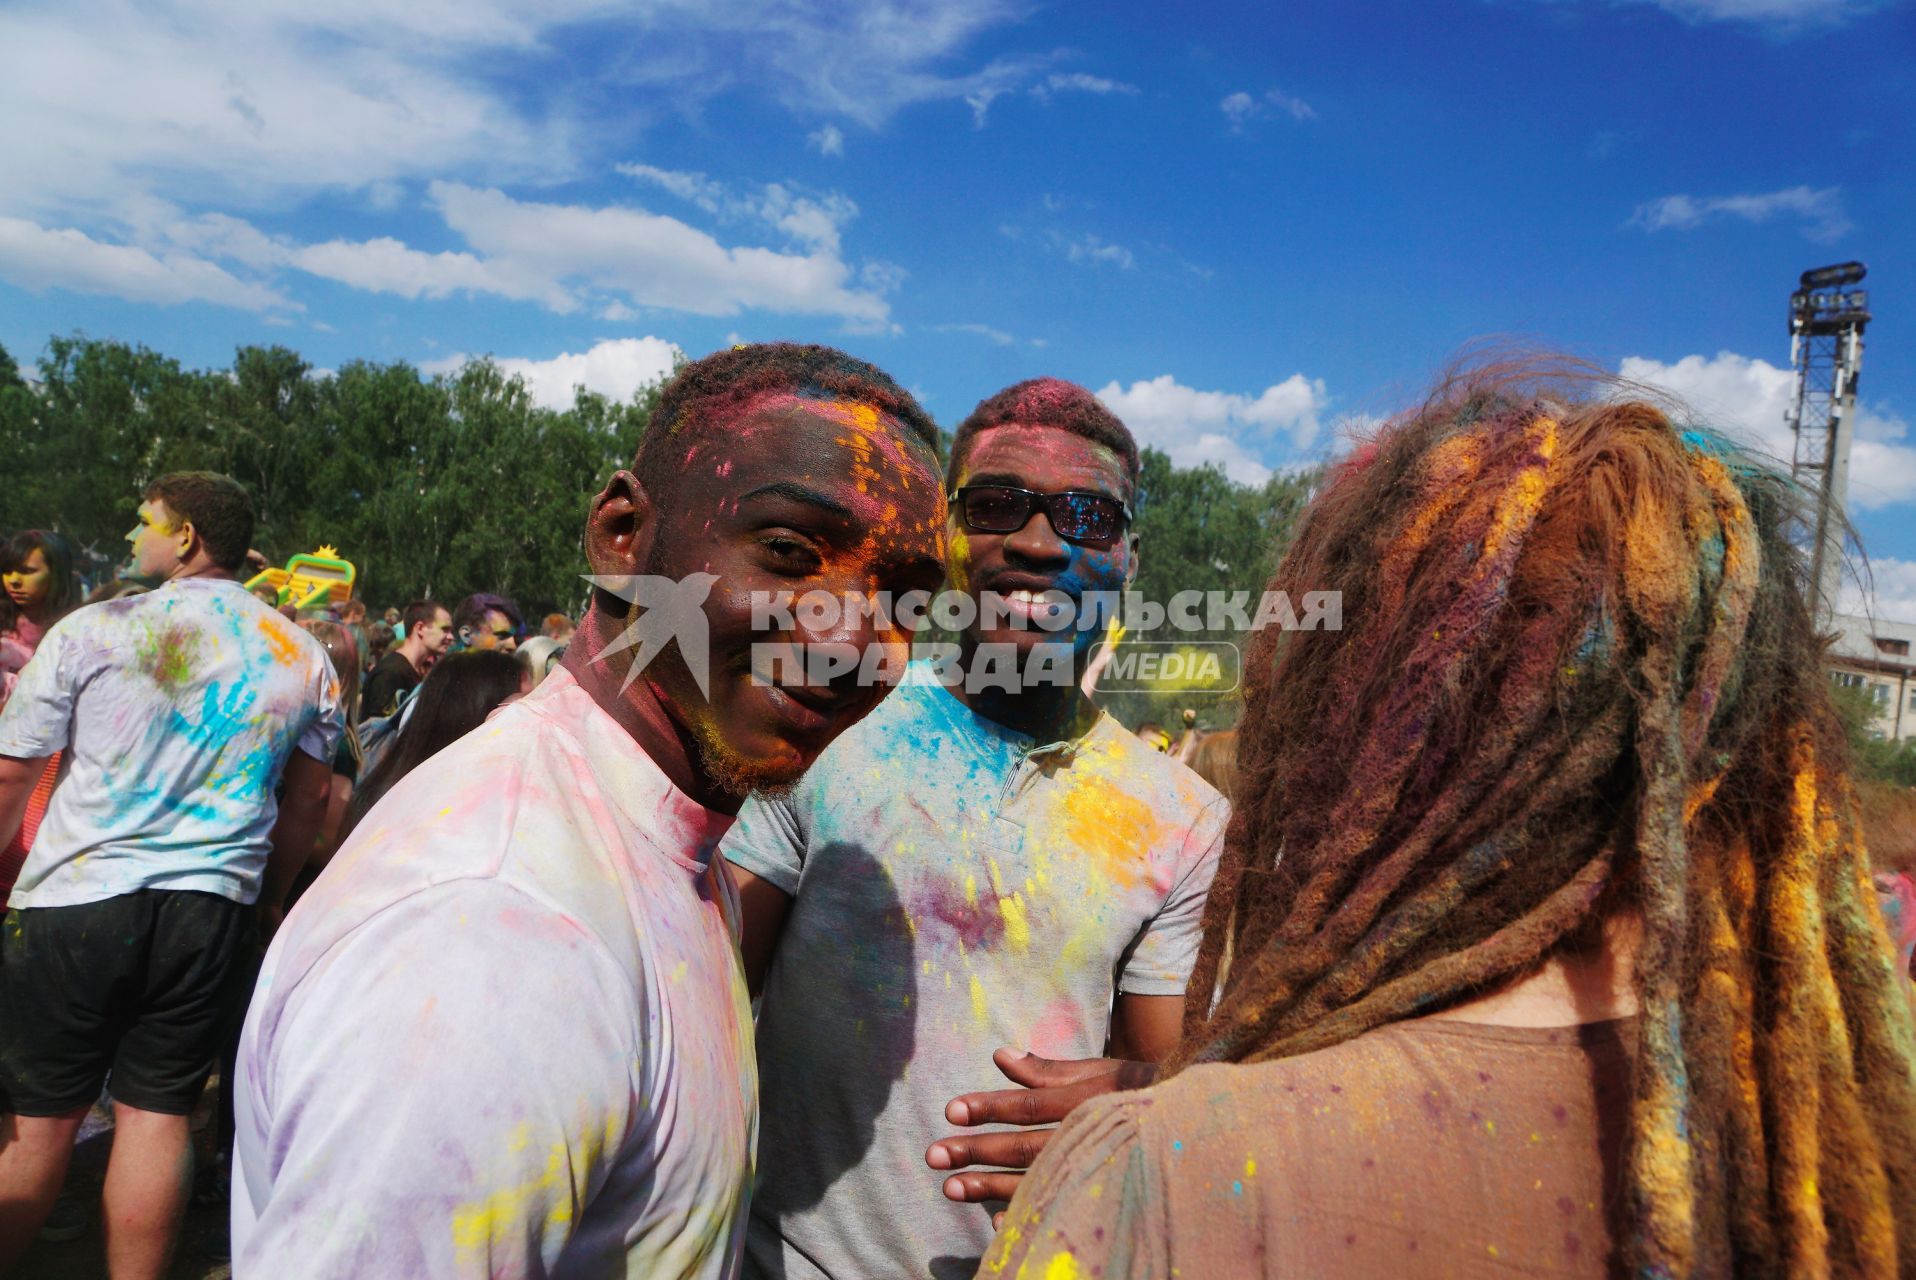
{"type": "Point", "coordinates": [1785, 14]}
{"type": "Point", "coordinates": [1233, 430]}
{"type": "Point", "coordinates": [1891, 590]}
{"type": "Point", "coordinates": [386, 265]}
{"type": "Point", "coordinates": [255, 100]}
{"type": "Point", "coordinates": [37, 258]}
{"type": "Point", "coordinates": [858, 60]}
{"type": "Point", "coordinates": [226, 107]}
{"type": "Point", "coordinates": [1747, 397]}
{"type": "Point", "coordinates": [1820, 210]}
{"type": "Point", "coordinates": [615, 369]}
{"type": "Point", "coordinates": [693, 188]}
{"type": "Point", "coordinates": [1241, 108]}
{"type": "Point", "coordinates": [827, 140]}
{"type": "Point", "coordinates": [1079, 82]}
{"type": "Point", "coordinates": [997, 337]}
{"type": "Point", "coordinates": [240, 101]}
{"type": "Point", "coordinates": [815, 220]}
{"type": "Point", "coordinates": [1092, 250]}
{"type": "Point", "coordinates": [560, 255]}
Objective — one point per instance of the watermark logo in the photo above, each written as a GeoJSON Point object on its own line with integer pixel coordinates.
{"type": "Point", "coordinates": [674, 610]}
{"type": "Point", "coordinates": [1192, 661]}
{"type": "Point", "coordinates": [1171, 666]}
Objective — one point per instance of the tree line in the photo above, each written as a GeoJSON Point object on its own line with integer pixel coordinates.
{"type": "Point", "coordinates": [446, 484]}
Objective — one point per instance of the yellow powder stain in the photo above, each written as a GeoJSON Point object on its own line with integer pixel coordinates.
{"type": "Point", "coordinates": [1017, 924]}
{"type": "Point", "coordinates": [971, 890]}
{"type": "Point", "coordinates": [1064, 1266]}
{"type": "Point", "coordinates": [997, 880]}
{"type": "Point", "coordinates": [285, 648]}
{"type": "Point", "coordinates": [474, 1225]}
{"type": "Point", "coordinates": [1250, 1167]}
{"type": "Point", "coordinates": [1535, 1136]}
{"type": "Point", "coordinates": [1493, 1251]}
{"type": "Point", "coordinates": [978, 1009]}
{"type": "Point", "coordinates": [678, 972]}
{"type": "Point", "coordinates": [1490, 1127]}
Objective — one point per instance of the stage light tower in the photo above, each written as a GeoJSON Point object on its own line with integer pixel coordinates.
{"type": "Point", "coordinates": [1827, 316]}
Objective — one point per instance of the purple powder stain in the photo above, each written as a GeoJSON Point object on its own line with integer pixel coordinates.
{"type": "Point", "coordinates": [1566, 1206]}
{"type": "Point", "coordinates": [975, 924]}
{"type": "Point", "coordinates": [1572, 1245]}
{"type": "Point", "coordinates": [1560, 1114]}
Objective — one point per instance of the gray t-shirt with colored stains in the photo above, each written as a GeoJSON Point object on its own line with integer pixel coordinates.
{"type": "Point", "coordinates": [957, 886]}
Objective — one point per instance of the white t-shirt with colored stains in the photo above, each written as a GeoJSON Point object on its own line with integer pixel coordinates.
{"type": "Point", "coordinates": [506, 1033]}
{"type": "Point", "coordinates": [957, 886]}
{"type": "Point", "coordinates": [177, 710]}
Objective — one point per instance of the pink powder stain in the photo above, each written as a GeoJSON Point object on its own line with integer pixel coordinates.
{"type": "Point", "coordinates": [975, 924]}
{"type": "Point", "coordinates": [1057, 1029]}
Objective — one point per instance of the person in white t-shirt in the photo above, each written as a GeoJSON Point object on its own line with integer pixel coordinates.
{"type": "Point", "coordinates": [507, 1033]}
{"type": "Point", "coordinates": [127, 945]}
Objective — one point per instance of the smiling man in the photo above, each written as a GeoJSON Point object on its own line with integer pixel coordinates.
{"type": "Point", "coordinates": [507, 1033]}
{"type": "Point", "coordinates": [983, 862]}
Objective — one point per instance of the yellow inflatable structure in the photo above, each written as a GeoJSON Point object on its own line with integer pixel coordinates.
{"type": "Point", "coordinates": [320, 578]}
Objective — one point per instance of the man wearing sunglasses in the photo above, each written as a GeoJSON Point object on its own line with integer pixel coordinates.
{"type": "Point", "coordinates": [985, 860]}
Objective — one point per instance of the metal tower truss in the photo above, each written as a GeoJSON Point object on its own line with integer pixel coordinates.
{"type": "Point", "coordinates": [1827, 317]}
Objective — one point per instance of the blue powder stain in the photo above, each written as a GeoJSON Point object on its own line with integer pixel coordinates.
{"type": "Point", "coordinates": [1177, 1145]}
{"type": "Point", "coordinates": [1237, 1188]}
{"type": "Point", "coordinates": [1698, 440]}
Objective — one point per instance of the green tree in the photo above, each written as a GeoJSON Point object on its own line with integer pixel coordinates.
{"type": "Point", "coordinates": [1200, 531]}
{"type": "Point", "coordinates": [1873, 758]}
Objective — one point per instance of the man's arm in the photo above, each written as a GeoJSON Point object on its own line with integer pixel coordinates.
{"type": "Point", "coordinates": [18, 775]}
{"type": "Point", "coordinates": [765, 850]}
{"type": "Point", "coordinates": [306, 786]}
{"type": "Point", "coordinates": [763, 907]}
{"type": "Point", "coordinates": [1146, 1028]}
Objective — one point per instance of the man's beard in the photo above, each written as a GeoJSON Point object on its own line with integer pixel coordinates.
{"type": "Point", "coordinates": [739, 775]}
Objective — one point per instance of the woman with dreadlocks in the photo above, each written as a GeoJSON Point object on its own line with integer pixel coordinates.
{"type": "Point", "coordinates": [1567, 960]}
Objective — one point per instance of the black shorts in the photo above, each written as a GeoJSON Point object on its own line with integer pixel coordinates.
{"type": "Point", "coordinates": [146, 985]}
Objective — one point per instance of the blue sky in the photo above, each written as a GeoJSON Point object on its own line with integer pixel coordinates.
{"type": "Point", "coordinates": [1246, 227]}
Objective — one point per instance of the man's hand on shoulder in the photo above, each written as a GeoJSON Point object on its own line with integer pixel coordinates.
{"type": "Point", "coordinates": [1049, 1090]}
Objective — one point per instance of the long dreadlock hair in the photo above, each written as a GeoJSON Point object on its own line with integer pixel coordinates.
{"type": "Point", "coordinates": [1577, 673]}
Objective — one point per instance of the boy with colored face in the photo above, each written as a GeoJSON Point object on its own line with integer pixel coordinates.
{"type": "Point", "coordinates": [508, 1032]}
{"type": "Point", "coordinates": [982, 862]}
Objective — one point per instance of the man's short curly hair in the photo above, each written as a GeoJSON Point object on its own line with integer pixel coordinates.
{"type": "Point", "coordinates": [1048, 402]}
{"type": "Point", "coordinates": [704, 396]}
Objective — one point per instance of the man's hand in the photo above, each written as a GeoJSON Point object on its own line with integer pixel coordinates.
{"type": "Point", "coordinates": [1051, 1089]}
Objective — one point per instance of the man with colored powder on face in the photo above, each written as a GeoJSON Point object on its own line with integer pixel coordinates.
{"type": "Point", "coordinates": [486, 621]}
{"type": "Point", "coordinates": [128, 943]}
{"type": "Point", "coordinates": [978, 863]}
{"type": "Point", "coordinates": [507, 1033]}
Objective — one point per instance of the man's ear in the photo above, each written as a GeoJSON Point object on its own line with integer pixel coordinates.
{"type": "Point", "coordinates": [1131, 561]}
{"type": "Point", "coordinates": [186, 539]}
{"type": "Point", "coordinates": [620, 527]}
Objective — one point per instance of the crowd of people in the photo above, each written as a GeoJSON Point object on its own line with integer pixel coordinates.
{"type": "Point", "coordinates": [1525, 922]}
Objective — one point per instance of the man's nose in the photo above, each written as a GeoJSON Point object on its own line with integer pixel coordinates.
{"type": "Point", "coordinates": [1037, 541]}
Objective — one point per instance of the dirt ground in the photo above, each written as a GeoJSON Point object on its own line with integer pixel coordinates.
{"type": "Point", "coordinates": [85, 1258]}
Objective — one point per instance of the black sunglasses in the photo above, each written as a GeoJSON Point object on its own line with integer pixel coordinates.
{"type": "Point", "coordinates": [1075, 515]}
